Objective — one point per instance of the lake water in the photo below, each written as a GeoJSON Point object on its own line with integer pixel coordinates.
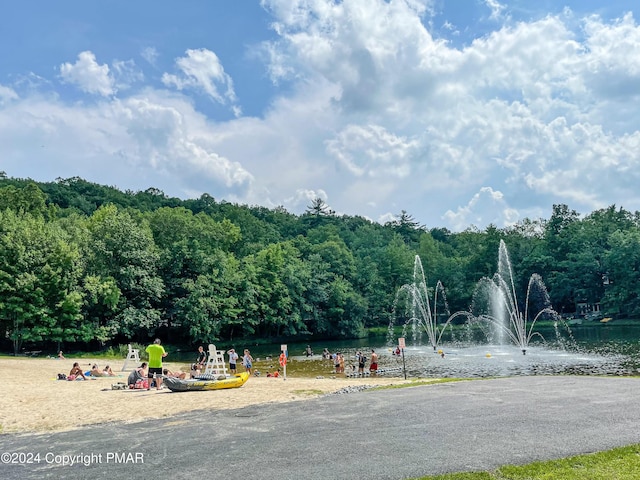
{"type": "Point", "coordinates": [587, 350]}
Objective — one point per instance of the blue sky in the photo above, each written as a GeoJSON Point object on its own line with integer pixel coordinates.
{"type": "Point", "coordinates": [462, 113]}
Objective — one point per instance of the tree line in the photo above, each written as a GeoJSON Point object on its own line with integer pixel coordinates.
{"type": "Point", "coordinates": [82, 263]}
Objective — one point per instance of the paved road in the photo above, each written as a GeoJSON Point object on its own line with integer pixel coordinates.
{"type": "Point", "coordinates": [391, 434]}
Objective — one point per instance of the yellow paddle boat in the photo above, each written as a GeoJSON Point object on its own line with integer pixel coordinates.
{"type": "Point", "coordinates": [203, 382]}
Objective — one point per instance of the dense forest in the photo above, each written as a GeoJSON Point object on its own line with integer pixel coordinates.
{"type": "Point", "coordinates": [90, 265]}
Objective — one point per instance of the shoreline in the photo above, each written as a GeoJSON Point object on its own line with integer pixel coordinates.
{"type": "Point", "coordinates": [35, 401]}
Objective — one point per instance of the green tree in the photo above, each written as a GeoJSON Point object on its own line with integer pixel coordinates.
{"type": "Point", "coordinates": [211, 303]}
{"type": "Point", "coordinates": [123, 249]}
{"type": "Point", "coordinates": [101, 299]}
{"type": "Point", "coordinates": [622, 280]}
{"type": "Point", "coordinates": [39, 299]}
{"type": "Point", "coordinates": [279, 290]}
{"type": "Point", "coordinates": [407, 227]}
{"type": "Point", "coordinates": [345, 310]}
{"type": "Point", "coordinates": [189, 246]}
{"type": "Point", "coordinates": [26, 199]}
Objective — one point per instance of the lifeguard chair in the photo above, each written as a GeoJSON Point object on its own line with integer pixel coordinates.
{"type": "Point", "coordinates": [133, 356]}
{"type": "Point", "coordinates": [215, 362]}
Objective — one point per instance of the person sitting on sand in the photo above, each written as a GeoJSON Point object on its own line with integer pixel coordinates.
{"type": "Point", "coordinates": [139, 374]}
{"type": "Point", "coordinates": [195, 370]}
{"type": "Point", "coordinates": [168, 373]}
{"type": "Point", "coordinates": [108, 372]}
{"type": "Point", "coordinates": [61, 356]}
{"type": "Point", "coordinates": [96, 372]}
{"type": "Point", "coordinates": [274, 374]}
{"type": "Point", "coordinates": [76, 372]}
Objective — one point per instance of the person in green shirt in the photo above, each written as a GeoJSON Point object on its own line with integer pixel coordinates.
{"type": "Point", "coordinates": [156, 354]}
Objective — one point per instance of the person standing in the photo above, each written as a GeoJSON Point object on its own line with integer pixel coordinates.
{"type": "Point", "coordinates": [373, 367]}
{"type": "Point", "coordinates": [156, 354]}
{"type": "Point", "coordinates": [247, 361]}
{"type": "Point", "coordinates": [202, 357]}
{"type": "Point", "coordinates": [283, 362]}
{"type": "Point", "coordinates": [233, 360]}
{"type": "Point", "coordinates": [362, 360]}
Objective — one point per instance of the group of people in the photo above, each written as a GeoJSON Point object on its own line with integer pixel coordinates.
{"type": "Point", "coordinates": [150, 374]}
{"type": "Point", "coordinates": [362, 362]}
{"type": "Point", "coordinates": [360, 357]}
{"type": "Point", "coordinates": [201, 361]}
{"type": "Point", "coordinates": [105, 372]}
{"type": "Point", "coordinates": [157, 354]}
{"type": "Point", "coordinates": [77, 373]}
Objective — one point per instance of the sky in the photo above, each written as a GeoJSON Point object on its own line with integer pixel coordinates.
{"type": "Point", "coordinates": [462, 113]}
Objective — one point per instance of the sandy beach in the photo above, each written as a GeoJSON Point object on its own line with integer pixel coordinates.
{"type": "Point", "coordinates": [33, 400]}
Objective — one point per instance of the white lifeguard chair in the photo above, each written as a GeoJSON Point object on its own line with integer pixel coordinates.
{"type": "Point", "coordinates": [133, 356]}
{"type": "Point", "coordinates": [215, 362]}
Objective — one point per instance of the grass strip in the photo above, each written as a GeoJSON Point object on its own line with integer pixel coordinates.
{"type": "Point", "coordinates": [621, 463]}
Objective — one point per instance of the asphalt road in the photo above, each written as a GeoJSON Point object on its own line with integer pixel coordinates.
{"type": "Point", "coordinates": [389, 434]}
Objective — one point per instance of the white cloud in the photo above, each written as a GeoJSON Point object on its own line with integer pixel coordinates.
{"type": "Point", "coordinates": [87, 75]}
{"type": "Point", "coordinates": [386, 218]}
{"type": "Point", "coordinates": [151, 138]}
{"type": "Point", "coordinates": [7, 94]}
{"type": "Point", "coordinates": [303, 198]}
{"type": "Point", "coordinates": [371, 150]}
{"type": "Point", "coordinates": [165, 133]}
{"type": "Point", "coordinates": [496, 9]}
{"type": "Point", "coordinates": [201, 70]}
{"type": "Point", "coordinates": [150, 54]}
{"type": "Point", "coordinates": [376, 115]}
{"type": "Point", "coordinates": [485, 207]}
{"type": "Point", "coordinates": [126, 73]}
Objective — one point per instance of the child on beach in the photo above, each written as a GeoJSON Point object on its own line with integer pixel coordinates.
{"type": "Point", "coordinates": [247, 361]}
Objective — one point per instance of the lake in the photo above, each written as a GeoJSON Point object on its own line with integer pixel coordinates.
{"type": "Point", "coordinates": [587, 350]}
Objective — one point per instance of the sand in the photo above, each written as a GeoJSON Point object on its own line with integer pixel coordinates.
{"type": "Point", "coordinates": [34, 401]}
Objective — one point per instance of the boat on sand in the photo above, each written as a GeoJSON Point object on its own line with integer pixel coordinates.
{"type": "Point", "coordinates": [204, 383]}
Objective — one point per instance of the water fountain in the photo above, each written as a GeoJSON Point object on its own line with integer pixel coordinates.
{"type": "Point", "coordinates": [418, 309]}
{"type": "Point", "coordinates": [506, 317]}
{"type": "Point", "coordinates": [513, 343]}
